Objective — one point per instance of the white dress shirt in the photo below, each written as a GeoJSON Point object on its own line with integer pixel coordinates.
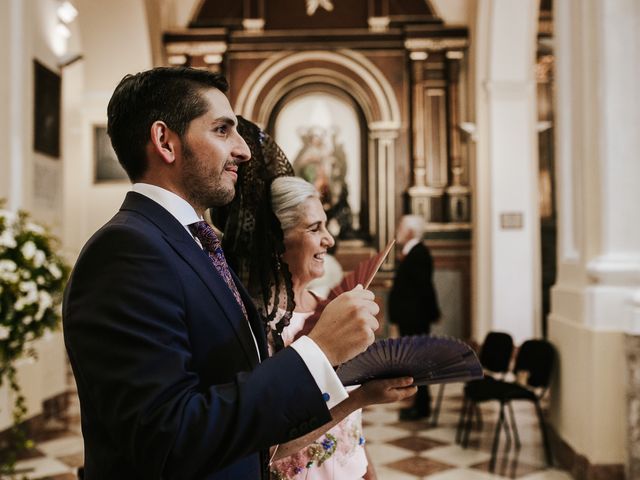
{"type": "Point", "coordinates": [409, 246]}
{"type": "Point", "coordinates": [314, 358]}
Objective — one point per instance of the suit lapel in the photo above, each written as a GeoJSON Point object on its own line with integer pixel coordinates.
{"type": "Point", "coordinates": [184, 245]}
{"type": "Point", "coordinates": [257, 325]}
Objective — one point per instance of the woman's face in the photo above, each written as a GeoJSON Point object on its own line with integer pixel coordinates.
{"type": "Point", "coordinates": [306, 244]}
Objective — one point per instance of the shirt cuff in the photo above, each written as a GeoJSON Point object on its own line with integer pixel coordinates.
{"type": "Point", "coordinates": [321, 370]}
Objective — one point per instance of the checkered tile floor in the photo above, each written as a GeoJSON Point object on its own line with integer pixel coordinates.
{"type": "Point", "coordinates": [418, 450]}
{"type": "Point", "coordinates": [400, 450]}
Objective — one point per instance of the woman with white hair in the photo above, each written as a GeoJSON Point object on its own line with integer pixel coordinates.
{"type": "Point", "coordinates": [338, 453]}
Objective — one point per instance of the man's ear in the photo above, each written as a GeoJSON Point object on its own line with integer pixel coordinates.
{"type": "Point", "coordinates": [164, 141]}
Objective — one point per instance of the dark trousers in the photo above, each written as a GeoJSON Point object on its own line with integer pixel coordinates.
{"type": "Point", "coordinates": [422, 400]}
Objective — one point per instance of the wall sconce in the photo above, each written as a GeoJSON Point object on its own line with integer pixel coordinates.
{"type": "Point", "coordinates": [62, 30]}
{"type": "Point", "coordinates": [67, 13]}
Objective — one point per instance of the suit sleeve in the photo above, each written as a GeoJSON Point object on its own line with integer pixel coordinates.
{"type": "Point", "coordinates": [125, 330]}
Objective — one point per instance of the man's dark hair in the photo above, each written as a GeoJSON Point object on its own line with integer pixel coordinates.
{"type": "Point", "coordinates": [169, 94]}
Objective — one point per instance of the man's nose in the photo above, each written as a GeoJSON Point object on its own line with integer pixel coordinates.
{"type": "Point", "coordinates": [241, 152]}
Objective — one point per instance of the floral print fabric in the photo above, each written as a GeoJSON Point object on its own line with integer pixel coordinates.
{"type": "Point", "coordinates": [337, 455]}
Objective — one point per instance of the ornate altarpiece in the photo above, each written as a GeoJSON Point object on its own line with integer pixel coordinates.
{"type": "Point", "coordinates": [404, 71]}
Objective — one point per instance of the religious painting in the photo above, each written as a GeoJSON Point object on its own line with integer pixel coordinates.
{"type": "Point", "coordinates": [106, 165]}
{"type": "Point", "coordinates": [320, 134]}
{"type": "Point", "coordinates": [46, 114]}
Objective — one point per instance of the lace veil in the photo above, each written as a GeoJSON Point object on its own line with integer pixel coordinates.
{"type": "Point", "coordinates": [253, 240]}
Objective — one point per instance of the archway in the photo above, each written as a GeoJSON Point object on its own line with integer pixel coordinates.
{"type": "Point", "coordinates": [347, 73]}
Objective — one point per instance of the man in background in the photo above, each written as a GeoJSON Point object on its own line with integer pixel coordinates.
{"type": "Point", "coordinates": [413, 305]}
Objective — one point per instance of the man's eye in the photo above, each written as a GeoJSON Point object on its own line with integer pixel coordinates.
{"type": "Point", "coordinates": [222, 129]}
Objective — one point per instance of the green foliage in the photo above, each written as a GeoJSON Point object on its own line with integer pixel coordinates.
{"type": "Point", "coordinates": [32, 279]}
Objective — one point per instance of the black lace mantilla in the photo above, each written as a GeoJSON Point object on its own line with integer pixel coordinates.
{"type": "Point", "coordinates": [253, 240]}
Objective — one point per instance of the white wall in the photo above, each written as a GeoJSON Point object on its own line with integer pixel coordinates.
{"type": "Point", "coordinates": [115, 42]}
{"type": "Point", "coordinates": [506, 261]}
{"type": "Point", "coordinates": [30, 180]}
{"type": "Point", "coordinates": [5, 84]}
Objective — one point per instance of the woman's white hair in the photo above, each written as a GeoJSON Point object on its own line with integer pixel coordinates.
{"type": "Point", "coordinates": [287, 195]}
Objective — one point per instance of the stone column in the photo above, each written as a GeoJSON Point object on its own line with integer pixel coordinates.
{"type": "Point", "coordinates": [431, 116]}
{"type": "Point", "coordinates": [595, 307]}
{"type": "Point", "coordinates": [506, 220]}
{"type": "Point", "coordinates": [381, 187]}
{"type": "Point", "coordinates": [458, 191]}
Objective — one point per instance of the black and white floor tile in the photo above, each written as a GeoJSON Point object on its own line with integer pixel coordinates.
{"type": "Point", "coordinates": [400, 450]}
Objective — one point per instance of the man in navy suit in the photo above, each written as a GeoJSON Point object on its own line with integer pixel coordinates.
{"type": "Point", "coordinates": [168, 352]}
{"type": "Point", "coordinates": [413, 304]}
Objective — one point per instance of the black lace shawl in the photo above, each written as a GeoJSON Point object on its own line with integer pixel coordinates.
{"type": "Point", "coordinates": [253, 240]}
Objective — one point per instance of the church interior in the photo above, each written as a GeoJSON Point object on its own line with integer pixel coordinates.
{"type": "Point", "coordinates": [510, 127]}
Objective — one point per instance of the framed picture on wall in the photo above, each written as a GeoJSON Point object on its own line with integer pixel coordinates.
{"type": "Point", "coordinates": [46, 111]}
{"type": "Point", "coordinates": [106, 165]}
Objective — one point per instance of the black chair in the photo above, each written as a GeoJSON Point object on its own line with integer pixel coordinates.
{"type": "Point", "coordinates": [533, 367]}
{"type": "Point", "coordinates": [495, 357]}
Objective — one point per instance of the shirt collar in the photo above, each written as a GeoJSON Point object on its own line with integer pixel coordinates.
{"type": "Point", "coordinates": [174, 204]}
{"type": "Point", "coordinates": [409, 245]}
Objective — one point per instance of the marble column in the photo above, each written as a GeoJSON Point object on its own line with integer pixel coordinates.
{"type": "Point", "coordinates": [595, 307]}
{"type": "Point", "coordinates": [382, 219]}
{"type": "Point", "coordinates": [505, 210]}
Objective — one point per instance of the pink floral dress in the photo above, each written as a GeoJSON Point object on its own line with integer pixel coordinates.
{"type": "Point", "coordinates": [337, 455]}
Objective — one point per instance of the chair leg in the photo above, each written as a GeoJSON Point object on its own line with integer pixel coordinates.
{"type": "Point", "coordinates": [461, 420]}
{"type": "Point", "coordinates": [478, 416]}
{"type": "Point", "coordinates": [496, 439]}
{"type": "Point", "coordinates": [507, 432]}
{"type": "Point", "coordinates": [436, 409]}
{"type": "Point", "coordinates": [545, 438]}
{"type": "Point", "coordinates": [468, 424]}
{"type": "Point", "coordinates": [514, 427]}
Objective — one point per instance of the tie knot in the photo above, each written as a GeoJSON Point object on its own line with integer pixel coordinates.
{"type": "Point", "coordinates": [203, 232]}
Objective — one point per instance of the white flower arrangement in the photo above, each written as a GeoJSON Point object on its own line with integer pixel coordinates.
{"type": "Point", "coordinates": [32, 278]}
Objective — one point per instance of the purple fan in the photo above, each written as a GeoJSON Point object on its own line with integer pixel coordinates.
{"type": "Point", "coordinates": [429, 359]}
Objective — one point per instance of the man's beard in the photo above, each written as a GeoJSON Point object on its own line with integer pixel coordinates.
{"type": "Point", "coordinates": [201, 190]}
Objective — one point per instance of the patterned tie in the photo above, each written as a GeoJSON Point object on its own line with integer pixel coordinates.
{"type": "Point", "coordinates": [211, 244]}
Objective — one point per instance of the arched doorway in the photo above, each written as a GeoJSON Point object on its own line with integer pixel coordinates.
{"type": "Point", "coordinates": [320, 129]}
{"type": "Point", "coordinates": [349, 76]}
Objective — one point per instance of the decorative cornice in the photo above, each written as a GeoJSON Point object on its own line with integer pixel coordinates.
{"type": "Point", "coordinates": [253, 24]}
{"type": "Point", "coordinates": [418, 56]}
{"type": "Point", "coordinates": [436, 44]}
{"type": "Point", "coordinates": [379, 24]}
{"type": "Point", "coordinates": [455, 54]}
{"type": "Point", "coordinates": [196, 48]}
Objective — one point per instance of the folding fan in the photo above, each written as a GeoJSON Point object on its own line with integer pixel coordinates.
{"type": "Point", "coordinates": [363, 274]}
{"type": "Point", "coordinates": [429, 359]}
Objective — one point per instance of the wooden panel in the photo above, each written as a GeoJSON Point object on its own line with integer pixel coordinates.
{"type": "Point", "coordinates": [345, 14]}
{"type": "Point", "coordinates": [452, 267]}
{"type": "Point", "coordinates": [214, 13]}
{"type": "Point", "coordinates": [435, 132]}
{"type": "Point", "coordinates": [409, 7]}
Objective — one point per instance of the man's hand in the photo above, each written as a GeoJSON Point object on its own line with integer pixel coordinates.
{"type": "Point", "coordinates": [346, 325]}
{"type": "Point", "coordinates": [387, 390]}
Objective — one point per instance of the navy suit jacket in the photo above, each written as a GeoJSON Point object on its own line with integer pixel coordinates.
{"type": "Point", "coordinates": [168, 377]}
